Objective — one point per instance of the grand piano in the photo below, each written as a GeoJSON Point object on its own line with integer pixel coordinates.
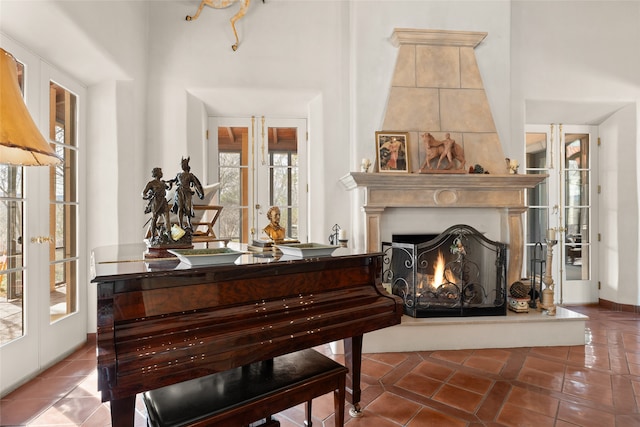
{"type": "Point", "coordinates": [160, 322]}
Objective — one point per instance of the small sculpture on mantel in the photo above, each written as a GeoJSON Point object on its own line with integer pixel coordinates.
{"type": "Point", "coordinates": [512, 165]}
{"type": "Point", "coordinates": [365, 165]}
{"type": "Point", "coordinates": [446, 149]}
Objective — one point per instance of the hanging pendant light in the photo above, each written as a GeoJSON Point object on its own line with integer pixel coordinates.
{"type": "Point", "coordinates": [21, 142]}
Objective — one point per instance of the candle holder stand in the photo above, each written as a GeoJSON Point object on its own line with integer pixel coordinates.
{"type": "Point", "coordinates": [333, 237]}
{"type": "Point", "coordinates": [537, 265]}
{"type": "Point", "coordinates": [547, 298]}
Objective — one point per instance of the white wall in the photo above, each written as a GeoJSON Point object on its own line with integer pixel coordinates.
{"type": "Point", "coordinates": [196, 116]}
{"type": "Point", "coordinates": [618, 208]}
{"type": "Point", "coordinates": [581, 53]}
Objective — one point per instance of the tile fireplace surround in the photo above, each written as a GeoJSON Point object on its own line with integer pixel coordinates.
{"type": "Point", "coordinates": [504, 193]}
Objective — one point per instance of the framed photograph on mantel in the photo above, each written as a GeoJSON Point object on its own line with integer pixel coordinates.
{"type": "Point", "coordinates": [392, 151]}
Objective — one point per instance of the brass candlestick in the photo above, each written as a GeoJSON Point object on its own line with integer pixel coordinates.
{"type": "Point", "coordinates": [547, 297]}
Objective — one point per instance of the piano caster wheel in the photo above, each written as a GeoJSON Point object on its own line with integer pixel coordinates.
{"type": "Point", "coordinates": [356, 412]}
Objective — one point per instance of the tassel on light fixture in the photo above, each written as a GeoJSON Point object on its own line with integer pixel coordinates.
{"type": "Point", "coordinates": [21, 142]}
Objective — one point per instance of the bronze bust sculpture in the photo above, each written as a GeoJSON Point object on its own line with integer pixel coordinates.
{"type": "Point", "coordinates": [274, 230]}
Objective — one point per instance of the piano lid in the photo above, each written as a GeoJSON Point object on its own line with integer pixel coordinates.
{"type": "Point", "coordinates": [125, 261]}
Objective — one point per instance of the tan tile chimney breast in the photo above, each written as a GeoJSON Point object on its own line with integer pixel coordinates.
{"type": "Point", "coordinates": [437, 88]}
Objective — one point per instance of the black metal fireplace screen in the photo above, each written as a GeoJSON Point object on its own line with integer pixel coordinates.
{"type": "Point", "coordinates": [456, 273]}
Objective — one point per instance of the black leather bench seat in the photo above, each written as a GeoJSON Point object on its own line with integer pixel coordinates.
{"type": "Point", "coordinates": [247, 394]}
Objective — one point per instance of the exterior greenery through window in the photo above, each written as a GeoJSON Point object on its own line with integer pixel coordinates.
{"type": "Point", "coordinates": [253, 174]}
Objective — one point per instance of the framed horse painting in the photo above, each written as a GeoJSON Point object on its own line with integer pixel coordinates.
{"type": "Point", "coordinates": [392, 151]}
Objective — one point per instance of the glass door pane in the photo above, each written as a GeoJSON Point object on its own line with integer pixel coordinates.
{"type": "Point", "coordinates": [259, 164]}
{"type": "Point", "coordinates": [562, 202]}
{"type": "Point", "coordinates": [538, 209]}
{"type": "Point", "coordinates": [282, 181]}
{"type": "Point", "coordinates": [11, 250]}
{"type": "Point", "coordinates": [233, 174]}
{"type": "Point", "coordinates": [283, 177]}
{"type": "Point", "coordinates": [577, 188]}
{"type": "Point", "coordinates": [63, 256]}
{"type": "Point", "coordinates": [11, 254]}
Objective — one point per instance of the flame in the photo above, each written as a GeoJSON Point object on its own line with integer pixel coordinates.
{"type": "Point", "coordinates": [438, 270]}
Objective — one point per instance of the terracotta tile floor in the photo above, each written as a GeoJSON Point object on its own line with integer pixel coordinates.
{"type": "Point", "coordinates": [597, 384]}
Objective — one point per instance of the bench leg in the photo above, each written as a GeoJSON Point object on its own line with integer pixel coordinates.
{"type": "Point", "coordinates": [338, 403]}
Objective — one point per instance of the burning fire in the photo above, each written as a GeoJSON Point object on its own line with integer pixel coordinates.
{"type": "Point", "coordinates": [441, 276]}
{"type": "Point", "coordinates": [438, 271]}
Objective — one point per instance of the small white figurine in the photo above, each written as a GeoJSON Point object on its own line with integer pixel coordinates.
{"type": "Point", "coordinates": [365, 165]}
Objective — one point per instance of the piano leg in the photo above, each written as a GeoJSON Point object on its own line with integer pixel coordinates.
{"type": "Point", "coordinates": [353, 360]}
{"type": "Point", "coordinates": [123, 411]}
{"type": "Point", "coordinates": [307, 414]}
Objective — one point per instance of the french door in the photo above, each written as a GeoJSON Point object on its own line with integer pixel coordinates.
{"type": "Point", "coordinates": [565, 203]}
{"type": "Point", "coordinates": [42, 306]}
{"type": "Point", "coordinates": [260, 162]}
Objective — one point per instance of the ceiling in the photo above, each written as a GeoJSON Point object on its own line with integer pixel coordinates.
{"type": "Point", "coordinates": [246, 102]}
{"type": "Point", "coordinates": [280, 139]}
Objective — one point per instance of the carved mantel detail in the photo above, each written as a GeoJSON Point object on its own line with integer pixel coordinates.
{"type": "Point", "coordinates": [505, 193]}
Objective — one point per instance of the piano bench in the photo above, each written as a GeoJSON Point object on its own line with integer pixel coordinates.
{"type": "Point", "coordinates": [244, 395]}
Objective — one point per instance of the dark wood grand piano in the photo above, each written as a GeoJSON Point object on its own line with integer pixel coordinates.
{"type": "Point", "coordinates": [162, 322]}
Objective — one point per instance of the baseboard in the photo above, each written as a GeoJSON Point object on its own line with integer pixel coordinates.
{"type": "Point", "coordinates": [616, 306]}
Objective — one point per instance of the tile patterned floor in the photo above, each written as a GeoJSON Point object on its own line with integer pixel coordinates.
{"type": "Point", "coordinates": [597, 384]}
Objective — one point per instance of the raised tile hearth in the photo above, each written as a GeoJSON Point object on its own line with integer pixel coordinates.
{"type": "Point", "coordinates": [533, 329]}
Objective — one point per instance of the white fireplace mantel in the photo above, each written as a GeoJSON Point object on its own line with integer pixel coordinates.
{"type": "Point", "coordinates": [503, 192]}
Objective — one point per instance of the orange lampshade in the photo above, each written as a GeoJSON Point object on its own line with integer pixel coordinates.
{"type": "Point", "coordinates": [21, 142]}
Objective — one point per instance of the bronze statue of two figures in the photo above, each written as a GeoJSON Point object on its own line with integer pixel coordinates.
{"type": "Point", "coordinates": [164, 234]}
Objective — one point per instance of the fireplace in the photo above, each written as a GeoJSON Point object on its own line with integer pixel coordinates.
{"type": "Point", "coordinates": [459, 272]}
{"type": "Point", "coordinates": [437, 88]}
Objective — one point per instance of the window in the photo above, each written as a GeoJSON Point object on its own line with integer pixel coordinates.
{"type": "Point", "coordinates": [283, 181]}
{"type": "Point", "coordinates": [63, 210]}
{"type": "Point", "coordinates": [259, 164]}
{"type": "Point", "coordinates": [11, 248]}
